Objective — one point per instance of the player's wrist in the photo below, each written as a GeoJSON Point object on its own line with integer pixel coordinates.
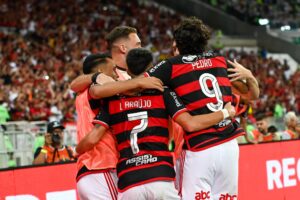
{"type": "Point", "coordinates": [225, 113]}
{"type": "Point", "coordinates": [94, 77]}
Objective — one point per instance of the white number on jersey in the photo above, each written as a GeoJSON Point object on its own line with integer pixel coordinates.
{"type": "Point", "coordinates": [215, 92]}
{"type": "Point", "coordinates": [143, 116]}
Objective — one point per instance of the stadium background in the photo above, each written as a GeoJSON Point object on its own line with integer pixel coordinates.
{"type": "Point", "coordinates": [41, 50]}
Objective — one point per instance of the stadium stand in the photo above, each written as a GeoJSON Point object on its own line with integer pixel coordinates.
{"type": "Point", "coordinates": [42, 47]}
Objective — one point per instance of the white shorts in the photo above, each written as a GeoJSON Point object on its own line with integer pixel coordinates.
{"type": "Point", "coordinates": [210, 174]}
{"type": "Point", "coordinates": [158, 190]}
{"type": "Point", "coordinates": [98, 186]}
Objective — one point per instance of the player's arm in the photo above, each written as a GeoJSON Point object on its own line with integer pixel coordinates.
{"type": "Point", "coordinates": [198, 122]}
{"type": "Point", "coordinates": [189, 123]}
{"type": "Point", "coordinates": [113, 88]}
{"type": "Point", "coordinates": [162, 71]}
{"type": "Point", "coordinates": [81, 82]}
{"type": "Point", "coordinates": [91, 139]}
{"type": "Point", "coordinates": [239, 72]}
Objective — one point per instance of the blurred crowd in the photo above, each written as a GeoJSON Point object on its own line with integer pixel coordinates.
{"type": "Point", "coordinates": [43, 42]}
{"type": "Point", "coordinates": [278, 12]}
{"type": "Point", "coordinates": [279, 90]}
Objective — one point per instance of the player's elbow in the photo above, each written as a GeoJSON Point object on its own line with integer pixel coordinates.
{"type": "Point", "coordinates": [188, 126]}
{"type": "Point", "coordinates": [94, 93]}
{"type": "Point", "coordinates": [75, 86]}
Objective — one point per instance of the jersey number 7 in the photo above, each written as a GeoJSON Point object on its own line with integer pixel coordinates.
{"type": "Point", "coordinates": [143, 116]}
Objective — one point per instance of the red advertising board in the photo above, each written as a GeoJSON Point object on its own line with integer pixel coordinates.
{"type": "Point", "coordinates": [269, 171]}
{"type": "Point", "coordinates": [55, 182]}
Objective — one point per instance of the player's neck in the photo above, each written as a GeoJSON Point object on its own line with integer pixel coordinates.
{"type": "Point", "coordinates": [120, 60]}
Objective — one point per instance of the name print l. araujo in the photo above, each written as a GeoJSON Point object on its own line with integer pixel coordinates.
{"type": "Point", "coordinates": [140, 103]}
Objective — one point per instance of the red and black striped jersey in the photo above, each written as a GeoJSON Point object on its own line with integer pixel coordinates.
{"type": "Point", "coordinates": [140, 126]}
{"type": "Point", "coordinates": [201, 81]}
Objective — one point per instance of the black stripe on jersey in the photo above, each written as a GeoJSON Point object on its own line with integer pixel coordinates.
{"type": "Point", "coordinates": [95, 103]}
{"type": "Point", "coordinates": [213, 137]}
{"type": "Point", "coordinates": [145, 174]}
{"type": "Point", "coordinates": [198, 94]}
{"type": "Point", "coordinates": [120, 117]}
{"type": "Point", "coordinates": [124, 165]}
{"type": "Point", "coordinates": [194, 75]}
{"type": "Point", "coordinates": [212, 142]}
{"type": "Point", "coordinates": [151, 131]}
{"type": "Point", "coordinates": [146, 146]}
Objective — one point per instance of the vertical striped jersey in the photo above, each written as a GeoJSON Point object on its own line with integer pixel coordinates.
{"type": "Point", "coordinates": [140, 125]}
{"type": "Point", "coordinates": [202, 83]}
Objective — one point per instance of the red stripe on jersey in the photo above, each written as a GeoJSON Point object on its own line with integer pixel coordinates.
{"type": "Point", "coordinates": [188, 88]}
{"type": "Point", "coordinates": [201, 103]}
{"type": "Point", "coordinates": [128, 125]}
{"type": "Point", "coordinates": [144, 167]}
{"type": "Point", "coordinates": [194, 86]}
{"type": "Point", "coordinates": [202, 64]}
{"type": "Point", "coordinates": [145, 102]}
{"type": "Point", "coordinates": [147, 139]}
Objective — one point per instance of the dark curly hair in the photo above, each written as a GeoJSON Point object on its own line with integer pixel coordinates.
{"type": "Point", "coordinates": [191, 36]}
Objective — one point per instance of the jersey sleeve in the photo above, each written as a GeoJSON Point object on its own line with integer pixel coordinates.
{"type": "Point", "coordinates": [173, 103]}
{"type": "Point", "coordinates": [102, 117]}
{"type": "Point", "coordinates": [162, 71]}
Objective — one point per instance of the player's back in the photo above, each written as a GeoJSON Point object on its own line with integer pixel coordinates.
{"type": "Point", "coordinates": [202, 83]}
{"type": "Point", "coordinates": [140, 125]}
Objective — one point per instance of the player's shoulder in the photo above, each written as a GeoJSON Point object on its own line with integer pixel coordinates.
{"type": "Point", "coordinates": [190, 58]}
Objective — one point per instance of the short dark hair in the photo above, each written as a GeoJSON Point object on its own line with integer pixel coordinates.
{"type": "Point", "coordinates": [260, 116]}
{"type": "Point", "coordinates": [117, 33]}
{"type": "Point", "coordinates": [191, 36]}
{"type": "Point", "coordinates": [138, 60]}
{"type": "Point", "coordinates": [92, 61]}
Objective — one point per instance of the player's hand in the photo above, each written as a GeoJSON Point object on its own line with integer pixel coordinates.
{"type": "Point", "coordinates": [103, 78]}
{"type": "Point", "coordinates": [239, 72]}
{"type": "Point", "coordinates": [150, 83]}
{"type": "Point", "coordinates": [230, 109]}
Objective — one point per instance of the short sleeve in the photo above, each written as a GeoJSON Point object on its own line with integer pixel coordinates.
{"type": "Point", "coordinates": [162, 71]}
{"type": "Point", "coordinates": [173, 103]}
{"type": "Point", "coordinates": [102, 117]}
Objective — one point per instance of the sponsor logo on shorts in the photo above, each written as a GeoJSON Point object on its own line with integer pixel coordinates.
{"type": "Point", "coordinates": [228, 197]}
{"type": "Point", "coordinates": [202, 195]}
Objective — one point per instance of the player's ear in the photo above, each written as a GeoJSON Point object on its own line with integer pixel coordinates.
{"type": "Point", "coordinates": [122, 48]}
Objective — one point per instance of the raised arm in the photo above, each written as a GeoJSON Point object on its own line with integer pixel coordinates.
{"type": "Point", "coordinates": [113, 88]}
{"type": "Point", "coordinates": [198, 122]}
{"type": "Point", "coordinates": [91, 139]}
{"type": "Point", "coordinates": [241, 73]}
{"type": "Point", "coordinates": [81, 82]}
